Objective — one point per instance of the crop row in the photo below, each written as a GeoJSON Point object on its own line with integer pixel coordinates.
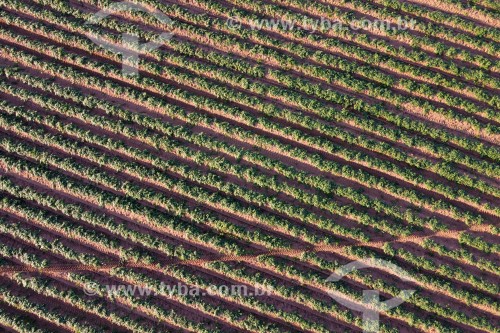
{"type": "Point", "coordinates": [186, 300]}
{"type": "Point", "coordinates": [115, 127]}
{"type": "Point", "coordinates": [330, 167]}
{"type": "Point", "coordinates": [420, 301]}
{"type": "Point", "coordinates": [339, 170]}
{"type": "Point", "coordinates": [68, 229]}
{"type": "Point", "coordinates": [57, 317]}
{"type": "Point", "coordinates": [137, 192]}
{"type": "Point", "coordinates": [72, 185]}
{"type": "Point", "coordinates": [98, 307]}
{"type": "Point", "coordinates": [19, 323]}
{"type": "Point", "coordinates": [397, 98]}
{"type": "Point", "coordinates": [74, 298]}
{"type": "Point", "coordinates": [343, 42]}
{"type": "Point", "coordinates": [321, 202]}
{"type": "Point", "coordinates": [479, 243]}
{"type": "Point", "coordinates": [462, 255]}
{"type": "Point", "coordinates": [443, 18]}
{"type": "Point", "coordinates": [397, 119]}
{"type": "Point", "coordinates": [158, 312]}
{"type": "Point", "coordinates": [32, 237]}
{"type": "Point", "coordinates": [312, 71]}
{"type": "Point", "coordinates": [455, 273]}
{"type": "Point", "coordinates": [78, 212]}
{"type": "Point", "coordinates": [436, 34]}
{"type": "Point", "coordinates": [149, 217]}
{"type": "Point", "coordinates": [365, 48]}
{"type": "Point", "coordinates": [441, 168]}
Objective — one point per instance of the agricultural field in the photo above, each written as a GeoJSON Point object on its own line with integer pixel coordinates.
{"type": "Point", "coordinates": [249, 166]}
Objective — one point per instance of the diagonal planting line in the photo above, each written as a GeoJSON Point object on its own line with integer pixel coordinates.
{"type": "Point", "coordinates": [222, 258]}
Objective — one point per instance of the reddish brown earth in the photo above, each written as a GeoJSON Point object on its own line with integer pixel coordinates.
{"type": "Point", "coordinates": [226, 253]}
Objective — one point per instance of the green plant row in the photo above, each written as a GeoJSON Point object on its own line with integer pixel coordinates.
{"type": "Point", "coordinates": [19, 323]}
{"type": "Point", "coordinates": [456, 273]}
{"type": "Point", "coordinates": [54, 222]}
{"type": "Point", "coordinates": [101, 221]}
{"type": "Point", "coordinates": [33, 237]}
{"type": "Point", "coordinates": [263, 88]}
{"type": "Point", "coordinates": [418, 300]}
{"type": "Point", "coordinates": [200, 158]}
{"type": "Point", "coordinates": [98, 306]}
{"type": "Point", "coordinates": [331, 167]}
{"type": "Point", "coordinates": [313, 277]}
{"type": "Point", "coordinates": [465, 296]}
{"type": "Point", "coordinates": [366, 48]}
{"type": "Point", "coordinates": [479, 243]}
{"type": "Point", "coordinates": [436, 35]}
{"type": "Point", "coordinates": [444, 18]}
{"type": "Point", "coordinates": [152, 218]}
{"type": "Point", "coordinates": [364, 123]}
{"type": "Point", "coordinates": [40, 310]}
{"type": "Point", "coordinates": [131, 189]}
{"type": "Point", "coordinates": [316, 160]}
{"type": "Point", "coordinates": [234, 317]}
{"type": "Point", "coordinates": [21, 254]}
{"type": "Point", "coordinates": [375, 90]}
{"type": "Point", "coordinates": [289, 172]}
{"type": "Point", "coordinates": [462, 254]}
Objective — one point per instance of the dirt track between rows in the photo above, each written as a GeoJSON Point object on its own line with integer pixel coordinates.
{"type": "Point", "coordinates": [245, 258]}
